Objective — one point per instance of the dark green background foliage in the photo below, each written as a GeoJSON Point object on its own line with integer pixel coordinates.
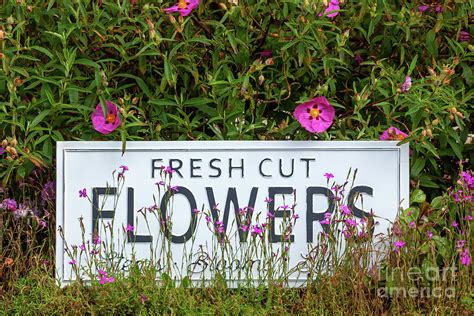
{"type": "Point", "coordinates": [201, 77]}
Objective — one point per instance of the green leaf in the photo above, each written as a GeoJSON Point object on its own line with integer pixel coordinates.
{"type": "Point", "coordinates": [418, 196]}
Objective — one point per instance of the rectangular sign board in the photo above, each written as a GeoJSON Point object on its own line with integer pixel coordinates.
{"type": "Point", "coordinates": [237, 194]}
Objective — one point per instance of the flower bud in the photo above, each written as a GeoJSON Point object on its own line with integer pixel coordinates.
{"type": "Point", "coordinates": [2, 35]}
{"type": "Point", "coordinates": [452, 110]}
{"type": "Point", "coordinates": [261, 79]}
{"type": "Point", "coordinates": [430, 133]}
{"type": "Point", "coordinates": [269, 61]}
{"type": "Point", "coordinates": [435, 122]}
{"type": "Point", "coordinates": [451, 117]}
{"type": "Point", "coordinates": [4, 143]}
{"type": "Point", "coordinates": [14, 142]}
{"type": "Point", "coordinates": [120, 100]}
{"type": "Point", "coordinates": [135, 100]}
{"type": "Point", "coordinates": [459, 114]}
{"type": "Point", "coordinates": [423, 133]}
{"type": "Point", "coordinates": [18, 82]}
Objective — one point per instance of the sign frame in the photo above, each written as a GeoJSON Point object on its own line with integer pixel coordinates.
{"type": "Point", "coordinates": [64, 147]}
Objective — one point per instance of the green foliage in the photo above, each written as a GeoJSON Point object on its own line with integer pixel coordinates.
{"type": "Point", "coordinates": [202, 77]}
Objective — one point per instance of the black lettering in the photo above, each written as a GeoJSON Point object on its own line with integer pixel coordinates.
{"type": "Point", "coordinates": [310, 216]}
{"type": "Point", "coordinates": [192, 205]}
{"type": "Point", "coordinates": [272, 191]}
{"type": "Point", "coordinates": [155, 167]}
{"type": "Point", "coordinates": [211, 165]}
{"type": "Point", "coordinates": [354, 194]}
{"type": "Point", "coordinates": [193, 167]}
{"type": "Point", "coordinates": [232, 198]}
{"type": "Point", "coordinates": [96, 212]}
{"type": "Point", "coordinates": [241, 167]}
{"type": "Point", "coordinates": [292, 169]}
{"type": "Point", "coordinates": [180, 164]}
{"type": "Point", "coordinates": [307, 160]}
{"type": "Point", "coordinates": [260, 168]}
{"type": "Point", "coordinates": [131, 237]}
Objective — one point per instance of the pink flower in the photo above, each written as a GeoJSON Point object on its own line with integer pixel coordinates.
{"type": "Point", "coordinates": [454, 224]}
{"type": "Point", "coordinates": [315, 115]}
{"type": "Point", "coordinates": [268, 200]}
{"type": "Point", "coordinates": [256, 230]}
{"type": "Point", "coordinates": [72, 262]}
{"type": "Point", "coordinates": [184, 7]}
{"type": "Point", "coordinates": [332, 9]}
{"type": "Point", "coordinates": [358, 59]}
{"type": "Point", "coordinates": [460, 243]}
{"type": "Point", "coordinates": [423, 8]}
{"type": "Point", "coordinates": [345, 210]}
{"type": "Point", "coordinates": [465, 258]}
{"type": "Point", "coordinates": [82, 247]}
{"type": "Point", "coordinates": [430, 235]}
{"type": "Point", "coordinates": [110, 122]}
{"type": "Point", "coordinates": [393, 133]}
{"type": "Point", "coordinates": [328, 175]}
{"type": "Point", "coordinates": [266, 53]}
{"type": "Point", "coordinates": [129, 228]}
{"type": "Point", "coordinates": [270, 215]}
{"type": "Point", "coordinates": [244, 227]}
{"type": "Point", "coordinates": [351, 222]}
{"type": "Point", "coordinates": [412, 224]}
{"type": "Point", "coordinates": [406, 85]}
{"type": "Point", "coordinates": [196, 211]}
{"type": "Point", "coordinates": [295, 216]}
{"type": "Point", "coordinates": [464, 36]}
{"type": "Point", "coordinates": [83, 193]}
{"type": "Point", "coordinates": [9, 204]}
{"type": "Point", "coordinates": [399, 244]}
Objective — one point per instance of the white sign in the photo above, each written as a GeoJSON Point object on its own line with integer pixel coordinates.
{"type": "Point", "coordinates": [222, 194]}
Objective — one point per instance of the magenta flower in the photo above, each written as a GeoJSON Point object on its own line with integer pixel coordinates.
{"type": "Point", "coordinates": [460, 243]}
{"type": "Point", "coordinates": [315, 115]}
{"type": "Point", "coordinates": [184, 7]}
{"type": "Point", "coordinates": [399, 244]}
{"type": "Point", "coordinates": [256, 230]}
{"type": "Point", "coordinates": [439, 8]}
{"type": "Point", "coordinates": [465, 258]}
{"type": "Point", "coordinates": [412, 224]}
{"type": "Point", "coordinates": [82, 247]}
{"type": "Point", "coordinates": [174, 188]}
{"type": "Point", "coordinates": [358, 59]}
{"type": "Point", "coordinates": [72, 262]}
{"type": "Point", "coordinates": [122, 171]}
{"type": "Point", "coordinates": [347, 234]}
{"type": "Point", "coordinates": [393, 133]}
{"type": "Point", "coordinates": [208, 219]}
{"type": "Point", "coordinates": [423, 8]}
{"type": "Point", "coordinates": [103, 277]}
{"type": "Point", "coordinates": [169, 170]}
{"type": "Point", "coordinates": [430, 235]}
{"type": "Point", "coordinates": [454, 224]}
{"type": "Point", "coordinates": [295, 216]}
{"type": "Point", "coordinates": [332, 9]}
{"type": "Point", "coordinates": [351, 222]}
{"type": "Point", "coordinates": [464, 36]}
{"type": "Point", "coordinates": [196, 211]}
{"type": "Point", "coordinates": [406, 85]}
{"type": "Point", "coordinates": [9, 204]}
{"type": "Point", "coordinates": [2, 150]}
{"type": "Point", "coordinates": [96, 240]}
{"type": "Point", "coordinates": [244, 227]}
{"type": "Point", "coordinates": [270, 215]}
{"type": "Point", "coordinates": [268, 200]}
{"type": "Point", "coordinates": [83, 193]}
{"type": "Point", "coordinates": [328, 175]}
{"type": "Point", "coordinates": [160, 183]}
{"type": "Point", "coordinates": [345, 210]}
{"type": "Point", "coordinates": [219, 227]}
{"type": "Point", "coordinates": [266, 53]}
{"type": "Point", "coordinates": [129, 228]}
{"type": "Point", "coordinates": [110, 122]}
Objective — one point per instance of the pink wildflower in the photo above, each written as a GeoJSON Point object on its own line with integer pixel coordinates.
{"type": "Point", "coordinates": [316, 115]}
